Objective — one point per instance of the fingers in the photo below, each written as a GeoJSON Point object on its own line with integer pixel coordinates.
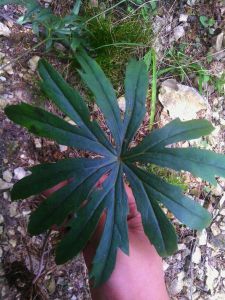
{"type": "Point", "coordinates": [134, 217]}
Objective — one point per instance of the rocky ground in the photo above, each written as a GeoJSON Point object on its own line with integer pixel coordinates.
{"type": "Point", "coordinates": [27, 268]}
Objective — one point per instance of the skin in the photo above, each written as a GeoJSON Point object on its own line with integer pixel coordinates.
{"type": "Point", "coordinates": [137, 276]}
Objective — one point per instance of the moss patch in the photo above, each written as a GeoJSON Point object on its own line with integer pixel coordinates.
{"type": "Point", "coordinates": [114, 42]}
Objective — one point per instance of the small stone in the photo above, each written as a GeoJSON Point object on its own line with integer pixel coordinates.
{"type": "Point", "coordinates": [13, 209]}
{"type": "Point", "coordinates": [4, 30]}
{"type": "Point", "coordinates": [12, 243]}
{"type": "Point", "coordinates": [219, 41]}
{"type": "Point", "coordinates": [177, 284]}
{"type": "Point", "coordinates": [222, 273]}
{"type": "Point", "coordinates": [165, 265]}
{"type": "Point", "coordinates": [1, 219]}
{"type": "Point", "coordinates": [8, 67]}
{"type": "Point", "coordinates": [181, 101]}
{"type": "Point", "coordinates": [183, 18]}
{"type": "Point", "coordinates": [182, 247]}
{"type": "Point", "coordinates": [179, 32]}
{"type": "Point", "coordinates": [222, 212]}
{"type": "Point", "coordinates": [51, 286]}
{"type": "Point", "coordinates": [4, 186]}
{"type": "Point", "coordinates": [19, 173]}
{"type": "Point", "coordinates": [215, 229]}
{"type": "Point", "coordinates": [63, 148]}
{"type": "Point", "coordinates": [7, 176]}
{"type": "Point", "coordinates": [212, 274]}
{"type": "Point", "coordinates": [2, 78]}
{"type": "Point", "coordinates": [67, 119]}
{"type": "Point", "coordinates": [191, 2]}
{"type": "Point", "coordinates": [196, 256]}
{"type": "Point", "coordinates": [33, 63]}
{"type": "Point", "coordinates": [73, 297]}
{"type": "Point", "coordinates": [37, 143]}
{"type": "Point", "coordinates": [122, 103]}
{"type": "Point", "coordinates": [202, 237]}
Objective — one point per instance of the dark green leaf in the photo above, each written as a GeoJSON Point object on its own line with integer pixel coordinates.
{"type": "Point", "coordinates": [201, 163]}
{"type": "Point", "coordinates": [136, 85]}
{"type": "Point", "coordinates": [115, 234]}
{"type": "Point", "coordinates": [70, 102]}
{"type": "Point", "coordinates": [186, 210]}
{"type": "Point", "coordinates": [104, 93]}
{"type": "Point", "coordinates": [173, 132]}
{"type": "Point", "coordinates": [165, 241]}
{"type": "Point", "coordinates": [68, 199]}
{"type": "Point", "coordinates": [45, 124]}
{"type": "Point", "coordinates": [84, 224]}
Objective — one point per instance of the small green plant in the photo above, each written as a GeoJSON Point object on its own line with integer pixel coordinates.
{"type": "Point", "coordinates": [207, 23]}
{"type": "Point", "coordinates": [146, 8]}
{"type": "Point", "coordinates": [69, 29]}
{"type": "Point", "coordinates": [85, 201]}
{"type": "Point", "coordinates": [179, 64]}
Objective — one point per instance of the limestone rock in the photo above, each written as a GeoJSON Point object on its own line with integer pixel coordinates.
{"type": "Point", "coordinates": [181, 101]}
{"type": "Point", "coordinates": [33, 62]}
{"type": "Point", "coordinates": [4, 30]}
{"type": "Point", "coordinates": [196, 257]}
{"type": "Point", "coordinates": [19, 173]}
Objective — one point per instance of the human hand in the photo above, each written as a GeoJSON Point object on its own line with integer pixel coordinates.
{"type": "Point", "coordinates": [137, 276]}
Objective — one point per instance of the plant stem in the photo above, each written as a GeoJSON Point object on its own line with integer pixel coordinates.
{"type": "Point", "coordinates": [154, 89]}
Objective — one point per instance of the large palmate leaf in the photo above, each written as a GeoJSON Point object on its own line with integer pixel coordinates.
{"type": "Point", "coordinates": [82, 199]}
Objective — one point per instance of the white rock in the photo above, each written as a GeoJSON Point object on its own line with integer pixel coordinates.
{"type": "Point", "coordinates": [122, 103]}
{"type": "Point", "coordinates": [219, 41]}
{"type": "Point", "coordinates": [19, 173]}
{"type": "Point", "coordinates": [37, 143]}
{"type": "Point", "coordinates": [7, 176]}
{"type": "Point", "coordinates": [12, 243]}
{"type": "Point", "coordinates": [177, 284]}
{"type": "Point", "coordinates": [222, 273]}
{"type": "Point", "coordinates": [7, 67]}
{"type": "Point", "coordinates": [181, 101]}
{"type": "Point", "coordinates": [165, 265]}
{"type": "Point", "coordinates": [215, 229]}
{"type": "Point", "coordinates": [63, 148]}
{"type": "Point", "coordinates": [196, 256]}
{"type": "Point", "coordinates": [33, 62]}
{"type": "Point", "coordinates": [222, 212]}
{"type": "Point", "coordinates": [202, 237]}
{"type": "Point", "coordinates": [4, 30]}
{"type": "Point", "coordinates": [4, 186]}
{"type": "Point", "coordinates": [179, 32]}
{"type": "Point", "coordinates": [2, 78]}
{"type": "Point", "coordinates": [183, 18]}
{"type": "Point", "coordinates": [1, 219]}
{"type": "Point", "coordinates": [182, 247]}
{"type": "Point", "coordinates": [217, 296]}
{"type": "Point", "coordinates": [191, 2]}
{"type": "Point", "coordinates": [13, 209]}
{"type": "Point", "coordinates": [212, 274]}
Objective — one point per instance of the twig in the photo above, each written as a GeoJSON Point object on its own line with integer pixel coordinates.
{"type": "Point", "coordinates": [42, 258]}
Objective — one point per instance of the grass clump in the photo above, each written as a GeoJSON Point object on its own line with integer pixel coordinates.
{"type": "Point", "coordinates": [169, 176]}
{"type": "Point", "coordinates": [115, 42]}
